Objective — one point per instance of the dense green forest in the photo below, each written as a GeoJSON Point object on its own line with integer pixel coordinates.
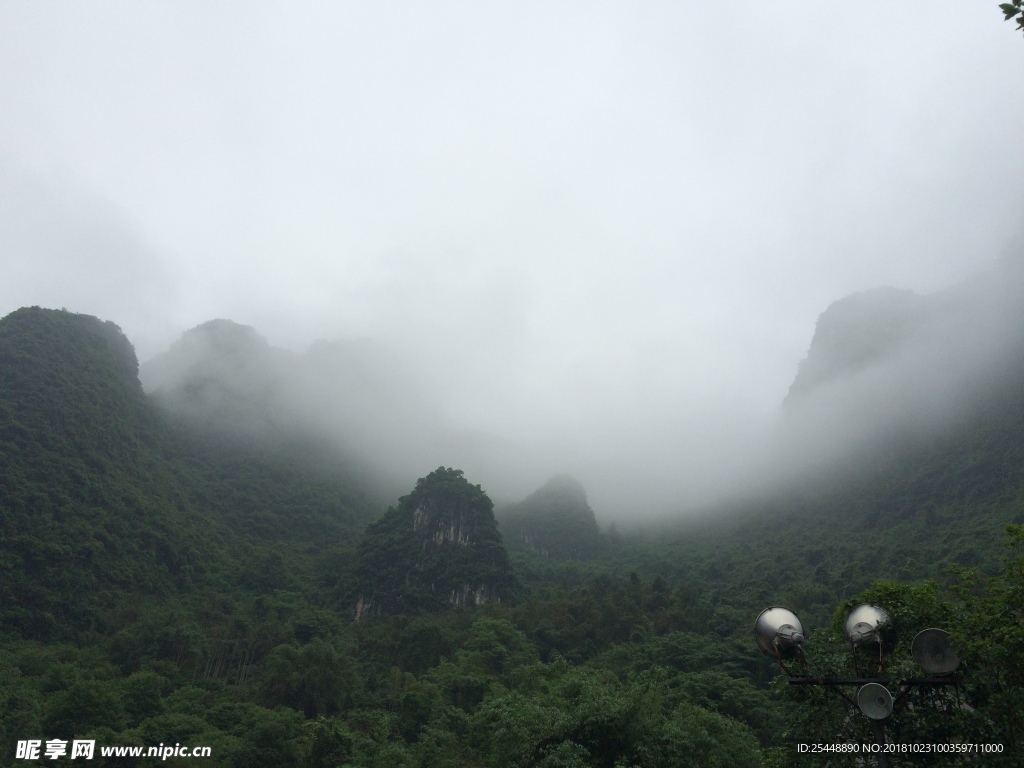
{"type": "Point", "coordinates": [165, 581]}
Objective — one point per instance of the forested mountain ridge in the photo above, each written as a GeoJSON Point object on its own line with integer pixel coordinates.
{"type": "Point", "coordinates": [103, 498]}
{"type": "Point", "coordinates": [210, 601]}
{"type": "Point", "coordinates": [172, 580]}
{"type": "Point", "coordinates": [85, 507]}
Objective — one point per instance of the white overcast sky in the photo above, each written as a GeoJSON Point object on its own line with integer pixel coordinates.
{"type": "Point", "coordinates": [614, 221]}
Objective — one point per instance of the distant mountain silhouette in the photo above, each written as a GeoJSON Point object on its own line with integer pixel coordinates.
{"type": "Point", "coordinates": [889, 367]}
{"type": "Point", "coordinates": [554, 521]}
{"type": "Point", "coordinates": [353, 396]}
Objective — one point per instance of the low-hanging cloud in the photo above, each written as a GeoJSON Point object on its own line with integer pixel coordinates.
{"type": "Point", "coordinates": [597, 236]}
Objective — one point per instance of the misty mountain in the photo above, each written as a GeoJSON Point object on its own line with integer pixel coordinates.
{"type": "Point", "coordinates": [440, 547]}
{"type": "Point", "coordinates": [103, 498]}
{"type": "Point", "coordinates": [857, 332]}
{"type": "Point", "coordinates": [901, 453]}
{"type": "Point", "coordinates": [885, 370]}
{"type": "Point", "coordinates": [224, 374]}
{"type": "Point", "coordinates": [178, 578]}
{"type": "Point", "coordinates": [888, 368]}
{"type": "Point", "coordinates": [351, 397]}
{"type": "Point", "coordinates": [554, 521]}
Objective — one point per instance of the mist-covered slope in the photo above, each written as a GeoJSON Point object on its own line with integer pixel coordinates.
{"type": "Point", "coordinates": [354, 399]}
{"type": "Point", "coordinates": [889, 367]}
{"type": "Point", "coordinates": [554, 521]}
{"type": "Point", "coordinates": [901, 453]}
{"type": "Point", "coordinates": [858, 332]}
{"type": "Point", "coordinates": [104, 498]}
{"type": "Point", "coordinates": [222, 375]}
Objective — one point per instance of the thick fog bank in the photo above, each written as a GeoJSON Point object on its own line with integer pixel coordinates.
{"type": "Point", "coordinates": [884, 366]}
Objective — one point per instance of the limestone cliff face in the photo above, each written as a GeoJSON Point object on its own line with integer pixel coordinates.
{"type": "Point", "coordinates": [440, 547]}
{"type": "Point", "coordinates": [442, 521]}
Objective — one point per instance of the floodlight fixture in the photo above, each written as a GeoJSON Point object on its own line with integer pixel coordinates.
{"type": "Point", "coordinates": [933, 649]}
{"type": "Point", "coordinates": [863, 624]}
{"type": "Point", "coordinates": [779, 632]}
{"type": "Point", "coordinates": [875, 701]}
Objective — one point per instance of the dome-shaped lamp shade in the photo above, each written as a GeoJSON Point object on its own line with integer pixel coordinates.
{"type": "Point", "coordinates": [933, 649]}
{"type": "Point", "coordinates": [778, 632]}
{"type": "Point", "coordinates": [863, 624]}
{"type": "Point", "coordinates": [875, 701]}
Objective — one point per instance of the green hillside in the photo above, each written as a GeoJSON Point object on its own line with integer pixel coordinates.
{"type": "Point", "coordinates": [88, 510]}
{"type": "Point", "coordinates": [103, 499]}
{"type": "Point", "coordinates": [167, 579]}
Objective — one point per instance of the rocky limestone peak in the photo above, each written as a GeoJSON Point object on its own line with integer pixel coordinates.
{"type": "Point", "coordinates": [440, 547]}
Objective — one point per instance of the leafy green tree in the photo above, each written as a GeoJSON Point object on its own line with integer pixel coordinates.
{"type": "Point", "coordinates": [315, 679]}
{"type": "Point", "coordinates": [991, 642]}
{"type": "Point", "coordinates": [21, 703]}
{"type": "Point", "coordinates": [564, 716]}
{"type": "Point", "coordinates": [141, 695]}
{"type": "Point", "coordinates": [496, 648]}
{"type": "Point", "coordinates": [1012, 10]}
{"type": "Point", "coordinates": [329, 744]}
